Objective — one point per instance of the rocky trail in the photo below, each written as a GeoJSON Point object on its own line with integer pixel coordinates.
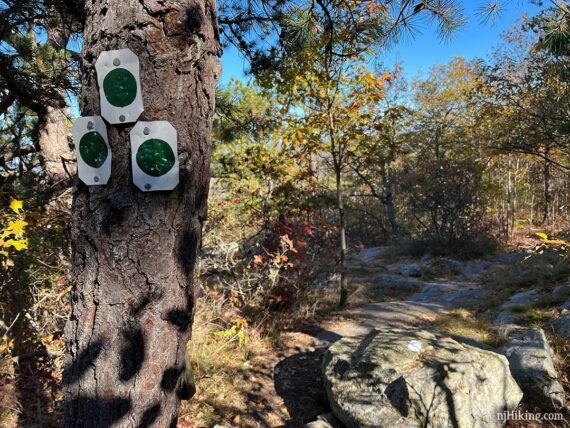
{"type": "Point", "coordinates": [409, 301]}
{"type": "Point", "coordinates": [390, 303]}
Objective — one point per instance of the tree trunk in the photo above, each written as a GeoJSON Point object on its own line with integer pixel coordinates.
{"type": "Point", "coordinates": [342, 239]}
{"type": "Point", "coordinates": [54, 144]}
{"type": "Point", "coordinates": [388, 200]}
{"type": "Point", "coordinates": [134, 253]}
{"type": "Point", "coordinates": [547, 197]}
{"type": "Point", "coordinates": [54, 132]}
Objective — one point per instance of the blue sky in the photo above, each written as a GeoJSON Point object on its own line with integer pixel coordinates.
{"type": "Point", "coordinates": [475, 39]}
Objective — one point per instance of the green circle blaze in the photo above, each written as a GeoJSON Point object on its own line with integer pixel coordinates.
{"type": "Point", "coordinates": [120, 87]}
{"type": "Point", "coordinates": [155, 157]}
{"type": "Point", "coordinates": [93, 149]}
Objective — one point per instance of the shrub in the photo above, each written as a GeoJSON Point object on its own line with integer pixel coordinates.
{"type": "Point", "coordinates": [537, 270]}
{"type": "Point", "coordinates": [460, 249]}
{"type": "Point", "coordinates": [448, 201]}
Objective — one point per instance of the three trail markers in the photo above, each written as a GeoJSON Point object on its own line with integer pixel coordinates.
{"type": "Point", "coordinates": [154, 152]}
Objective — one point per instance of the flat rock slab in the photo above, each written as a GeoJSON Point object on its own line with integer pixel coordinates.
{"type": "Point", "coordinates": [363, 319]}
{"type": "Point", "coordinates": [369, 254]}
{"type": "Point", "coordinates": [521, 299]}
{"type": "Point", "coordinates": [452, 295]}
{"type": "Point", "coordinates": [411, 269]}
{"type": "Point", "coordinates": [397, 314]}
{"type": "Point", "coordinates": [398, 282]}
{"type": "Point", "coordinates": [473, 269]}
{"type": "Point", "coordinates": [414, 378]}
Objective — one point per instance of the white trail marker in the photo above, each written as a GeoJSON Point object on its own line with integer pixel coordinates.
{"type": "Point", "coordinates": [93, 150]}
{"type": "Point", "coordinates": [154, 155]}
{"type": "Point", "coordinates": [119, 86]}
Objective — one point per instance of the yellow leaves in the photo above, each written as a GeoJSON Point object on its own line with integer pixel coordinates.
{"type": "Point", "coordinates": [6, 344]}
{"type": "Point", "coordinates": [15, 228]}
{"type": "Point", "coordinates": [17, 244]}
{"type": "Point", "coordinates": [16, 205]}
{"type": "Point", "coordinates": [547, 240]}
{"type": "Point", "coordinates": [52, 341]}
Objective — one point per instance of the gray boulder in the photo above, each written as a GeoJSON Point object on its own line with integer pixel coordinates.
{"type": "Point", "coordinates": [522, 299]}
{"type": "Point", "coordinates": [474, 269]}
{"type": "Point", "coordinates": [504, 318]}
{"type": "Point", "coordinates": [414, 378]}
{"type": "Point", "coordinates": [398, 282]}
{"type": "Point", "coordinates": [454, 266]}
{"type": "Point", "coordinates": [326, 420]}
{"type": "Point", "coordinates": [510, 258]}
{"type": "Point", "coordinates": [530, 361]}
{"type": "Point", "coordinates": [561, 291]}
{"type": "Point", "coordinates": [562, 325]}
{"type": "Point", "coordinates": [411, 269]}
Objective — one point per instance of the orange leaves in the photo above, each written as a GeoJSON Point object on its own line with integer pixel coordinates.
{"type": "Point", "coordinates": [235, 299]}
{"type": "Point", "coordinates": [286, 240]}
{"type": "Point", "coordinates": [257, 260]}
{"type": "Point", "coordinates": [280, 259]}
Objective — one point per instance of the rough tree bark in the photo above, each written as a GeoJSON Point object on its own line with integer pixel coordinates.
{"type": "Point", "coordinates": [54, 132]}
{"type": "Point", "coordinates": [134, 253]}
{"type": "Point", "coordinates": [53, 140]}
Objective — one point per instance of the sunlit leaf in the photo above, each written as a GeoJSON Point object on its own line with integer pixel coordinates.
{"type": "Point", "coordinates": [19, 245]}
{"type": "Point", "coordinates": [16, 205]}
{"type": "Point", "coordinates": [15, 228]}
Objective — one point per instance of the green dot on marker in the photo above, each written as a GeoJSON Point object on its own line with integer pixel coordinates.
{"type": "Point", "coordinates": [155, 157]}
{"type": "Point", "coordinates": [93, 149]}
{"type": "Point", "coordinates": [120, 87]}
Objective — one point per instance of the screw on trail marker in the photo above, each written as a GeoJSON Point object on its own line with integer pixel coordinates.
{"type": "Point", "coordinates": [119, 86]}
{"type": "Point", "coordinates": [154, 156]}
{"type": "Point", "coordinates": [93, 150]}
